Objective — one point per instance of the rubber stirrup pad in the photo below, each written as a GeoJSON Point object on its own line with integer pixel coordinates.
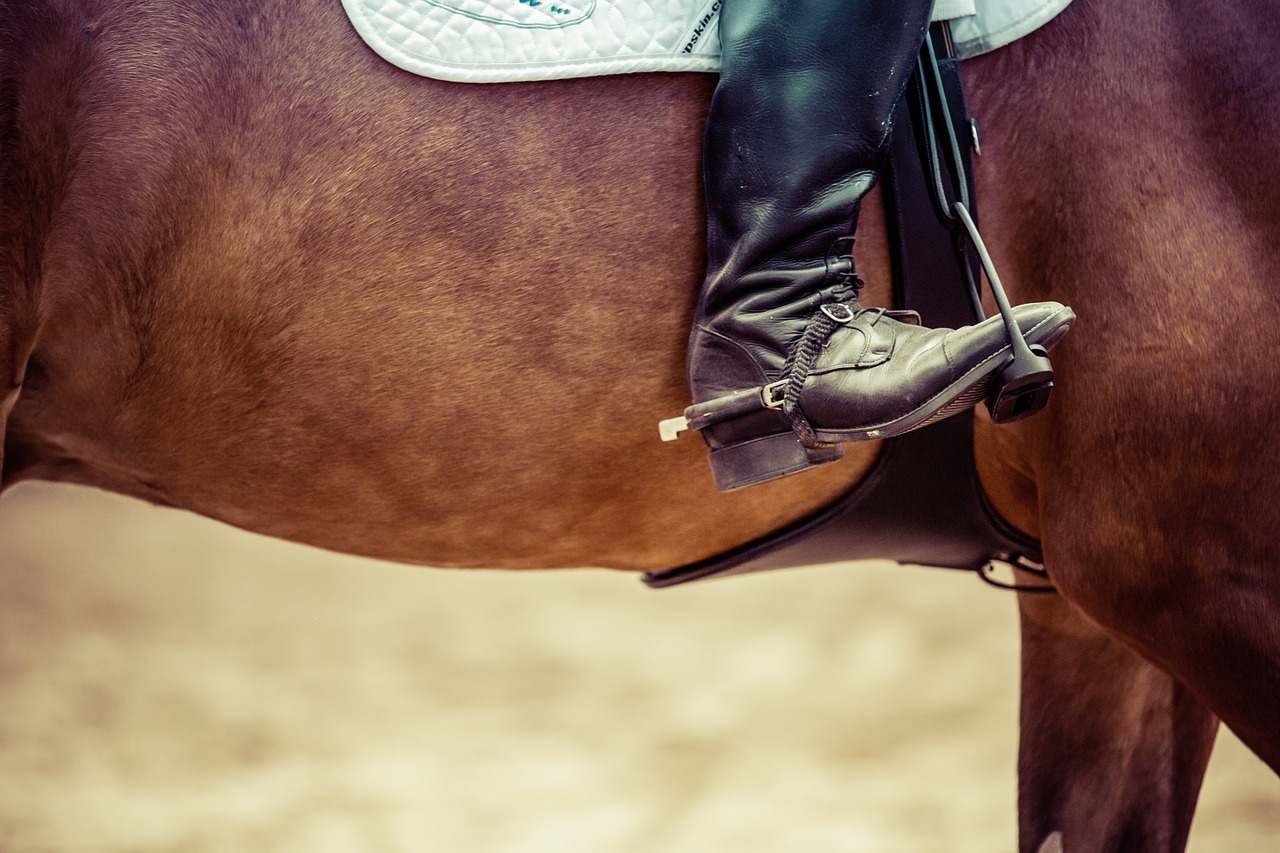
{"type": "Point", "coordinates": [1021, 388]}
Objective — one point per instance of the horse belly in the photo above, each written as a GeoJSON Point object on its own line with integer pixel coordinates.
{"type": "Point", "coordinates": [428, 322]}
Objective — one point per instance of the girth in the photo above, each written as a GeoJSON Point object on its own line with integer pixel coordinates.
{"type": "Point", "coordinates": [922, 501]}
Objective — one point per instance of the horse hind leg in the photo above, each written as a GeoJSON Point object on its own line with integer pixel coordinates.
{"type": "Point", "coordinates": [1113, 751]}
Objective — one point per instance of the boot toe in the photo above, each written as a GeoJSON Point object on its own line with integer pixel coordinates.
{"type": "Point", "coordinates": [1045, 322]}
{"type": "Point", "coordinates": [1042, 323]}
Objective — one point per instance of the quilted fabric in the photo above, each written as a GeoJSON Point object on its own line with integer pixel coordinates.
{"type": "Point", "coordinates": [505, 40]}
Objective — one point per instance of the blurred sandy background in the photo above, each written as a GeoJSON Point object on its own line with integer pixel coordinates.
{"type": "Point", "coordinates": [171, 684]}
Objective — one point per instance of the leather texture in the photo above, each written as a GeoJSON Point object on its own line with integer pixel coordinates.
{"type": "Point", "coordinates": [797, 131]}
{"type": "Point", "coordinates": [796, 134]}
{"type": "Point", "coordinates": [878, 378]}
{"type": "Point", "coordinates": [922, 502]}
{"type": "Point", "coordinates": [492, 41]}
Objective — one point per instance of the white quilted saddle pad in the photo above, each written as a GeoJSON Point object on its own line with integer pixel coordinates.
{"type": "Point", "coordinates": [492, 41]}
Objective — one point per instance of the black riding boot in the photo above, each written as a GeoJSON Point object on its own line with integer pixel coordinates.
{"type": "Point", "coordinates": [784, 364]}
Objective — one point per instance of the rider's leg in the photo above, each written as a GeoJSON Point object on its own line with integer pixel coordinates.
{"type": "Point", "coordinates": [797, 132]}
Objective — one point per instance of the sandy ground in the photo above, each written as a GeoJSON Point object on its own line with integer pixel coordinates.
{"type": "Point", "coordinates": [171, 684]}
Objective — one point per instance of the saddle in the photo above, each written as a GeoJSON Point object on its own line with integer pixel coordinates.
{"type": "Point", "coordinates": [494, 41]}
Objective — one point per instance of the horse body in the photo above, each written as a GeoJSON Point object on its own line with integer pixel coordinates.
{"type": "Point", "coordinates": [438, 323]}
{"type": "Point", "coordinates": [310, 289]}
{"type": "Point", "coordinates": [1156, 481]}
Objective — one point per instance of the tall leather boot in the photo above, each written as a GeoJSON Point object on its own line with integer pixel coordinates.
{"type": "Point", "coordinates": [784, 364]}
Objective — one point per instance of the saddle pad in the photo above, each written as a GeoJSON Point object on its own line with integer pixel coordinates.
{"type": "Point", "coordinates": [493, 41]}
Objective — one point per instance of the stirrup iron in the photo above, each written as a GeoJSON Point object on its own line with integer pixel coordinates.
{"type": "Point", "coordinates": [1021, 387]}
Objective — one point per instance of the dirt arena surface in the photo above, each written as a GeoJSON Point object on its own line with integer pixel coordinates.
{"type": "Point", "coordinates": [172, 684]}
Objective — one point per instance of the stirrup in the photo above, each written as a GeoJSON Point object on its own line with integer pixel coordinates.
{"type": "Point", "coordinates": [1022, 386]}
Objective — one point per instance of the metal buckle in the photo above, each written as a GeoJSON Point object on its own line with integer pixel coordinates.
{"type": "Point", "coordinates": [839, 312]}
{"type": "Point", "coordinates": [1013, 562]}
{"type": "Point", "coordinates": [767, 394]}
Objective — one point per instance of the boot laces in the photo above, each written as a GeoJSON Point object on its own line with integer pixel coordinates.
{"type": "Point", "coordinates": [842, 309]}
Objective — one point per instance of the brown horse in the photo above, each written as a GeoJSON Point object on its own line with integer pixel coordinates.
{"type": "Point", "coordinates": [251, 270]}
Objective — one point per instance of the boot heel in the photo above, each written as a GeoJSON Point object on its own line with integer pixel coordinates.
{"type": "Point", "coordinates": [767, 458]}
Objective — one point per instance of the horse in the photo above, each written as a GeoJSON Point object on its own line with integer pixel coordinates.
{"type": "Point", "coordinates": [253, 271]}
